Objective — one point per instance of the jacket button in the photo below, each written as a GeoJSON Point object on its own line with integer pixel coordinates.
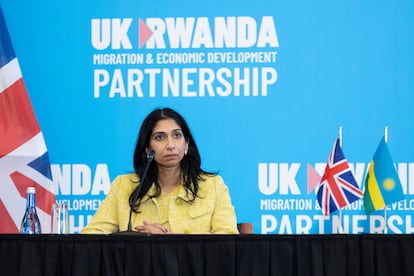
{"type": "Point", "coordinates": [178, 202]}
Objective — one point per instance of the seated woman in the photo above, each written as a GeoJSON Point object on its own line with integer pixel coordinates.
{"type": "Point", "coordinates": [175, 196]}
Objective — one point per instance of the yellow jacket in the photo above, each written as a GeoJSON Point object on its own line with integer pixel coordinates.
{"type": "Point", "coordinates": [211, 212]}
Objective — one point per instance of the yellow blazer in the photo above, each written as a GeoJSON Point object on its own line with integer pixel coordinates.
{"type": "Point", "coordinates": [211, 212]}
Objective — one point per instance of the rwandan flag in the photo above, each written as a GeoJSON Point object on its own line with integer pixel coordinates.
{"type": "Point", "coordinates": [382, 185]}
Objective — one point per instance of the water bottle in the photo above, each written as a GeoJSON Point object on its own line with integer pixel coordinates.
{"type": "Point", "coordinates": [30, 223]}
{"type": "Point", "coordinates": [60, 218]}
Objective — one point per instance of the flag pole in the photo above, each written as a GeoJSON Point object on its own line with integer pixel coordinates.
{"type": "Point", "coordinates": [385, 208]}
{"type": "Point", "coordinates": [341, 230]}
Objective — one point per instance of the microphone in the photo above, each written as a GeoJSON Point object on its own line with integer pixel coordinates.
{"type": "Point", "coordinates": [141, 182]}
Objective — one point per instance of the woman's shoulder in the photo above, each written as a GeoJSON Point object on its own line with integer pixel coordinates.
{"type": "Point", "coordinates": [132, 177]}
{"type": "Point", "coordinates": [212, 185]}
{"type": "Point", "coordinates": [211, 177]}
{"type": "Point", "coordinates": [122, 180]}
{"type": "Point", "coordinates": [209, 180]}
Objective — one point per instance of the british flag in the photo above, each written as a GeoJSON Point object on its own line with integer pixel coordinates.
{"type": "Point", "coordinates": [24, 158]}
{"type": "Point", "coordinates": [338, 187]}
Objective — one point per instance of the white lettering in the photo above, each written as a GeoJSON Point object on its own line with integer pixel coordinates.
{"type": "Point", "coordinates": [202, 34]}
{"type": "Point", "coordinates": [158, 29]}
{"type": "Point", "coordinates": [183, 82]}
{"type": "Point", "coordinates": [409, 228]}
{"type": "Point", "coordinates": [377, 224]}
{"type": "Point", "coordinates": [62, 178]}
{"type": "Point", "coordinates": [120, 33]}
{"type": "Point", "coordinates": [303, 224]}
{"type": "Point", "coordinates": [321, 222]}
{"type": "Point", "coordinates": [340, 224]}
{"type": "Point", "coordinates": [100, 79]}
{"type": "Point", "coordinates": [117, 85]}
{"type": "Point", "coordinates": [76, 179]}
{"type": "Point", "coordinates": [246, 32]}
{"type": "Point", "coordinates": [269, 224]}
{"type": "Point", "coordinates": [101, 181]}
{"type": "Point", "coordinates": [268, 181]}
{"type": "Point", "coordinates": [285, 226]}
{"type": "Point", "coordinates": [225, 32]}
{"type": "Point", "coordinates": [228, 32]}
{"type": "Point", "coordinates": [267, 33]}
{"type": "Point", "coordinates": [179, 31]}
{"type": "Point", "coordinates": [355, 223]}
{"type": "Point", "coordinates": [393, 220]}
{"type": "Point", "coordinates": [287, 179]}
{"type": "Point", "coordinates": [102, 35]}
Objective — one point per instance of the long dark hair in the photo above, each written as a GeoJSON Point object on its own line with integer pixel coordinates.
{"type": "Point", "coordinates": [190, 164]}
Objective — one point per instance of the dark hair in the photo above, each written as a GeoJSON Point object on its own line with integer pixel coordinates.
{"type": "Point", "coordinates": [190, 164]}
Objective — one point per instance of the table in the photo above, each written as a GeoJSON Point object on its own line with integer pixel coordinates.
{"type": "Point", "coordinates": [257, 255]}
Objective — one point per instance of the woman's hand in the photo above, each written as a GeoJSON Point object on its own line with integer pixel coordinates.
{"type": "Point", "coordinates": [151, 228]}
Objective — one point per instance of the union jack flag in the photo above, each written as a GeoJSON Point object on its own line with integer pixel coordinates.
{"type": "Point", "coordinates": [338, 187]}
{"type": "Point", "coordinates": [24, 158]}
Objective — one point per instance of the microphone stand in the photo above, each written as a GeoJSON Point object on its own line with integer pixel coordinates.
{"type": "Point", "coordinates": [141, 182]}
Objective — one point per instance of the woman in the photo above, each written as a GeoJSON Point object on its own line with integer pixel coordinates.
{"type": "Point", "coordinates": [176, 195]}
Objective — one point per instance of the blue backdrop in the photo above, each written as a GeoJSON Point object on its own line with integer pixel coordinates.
{"type": "Point", "coordinates": [262, 84]}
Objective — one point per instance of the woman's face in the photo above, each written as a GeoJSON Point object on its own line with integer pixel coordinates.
{"type": "Point", "coordinates": [168, 142]}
